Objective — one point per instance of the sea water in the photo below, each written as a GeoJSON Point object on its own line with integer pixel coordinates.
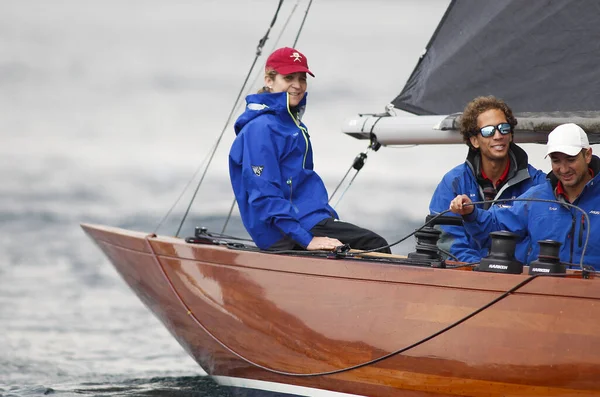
{"type": "Point", "coordinates": [109, 109]}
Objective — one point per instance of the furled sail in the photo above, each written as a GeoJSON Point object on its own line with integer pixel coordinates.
{"type": "Point", "coordinates": [540, 56]}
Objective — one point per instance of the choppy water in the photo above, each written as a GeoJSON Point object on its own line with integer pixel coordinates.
{"type": "Point", "coordinates": [107, 109]}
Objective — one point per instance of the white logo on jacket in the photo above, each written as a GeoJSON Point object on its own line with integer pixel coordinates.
{"type": "Point", "coordinates": [256, 106]}
{"type": "Point", "coordinates": [258, 169]}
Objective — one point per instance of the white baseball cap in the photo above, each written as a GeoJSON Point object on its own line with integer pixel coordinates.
{"type": "Point", "coordinates": [569, 139]}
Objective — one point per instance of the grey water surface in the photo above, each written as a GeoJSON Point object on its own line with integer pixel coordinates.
{"type": "Point", "coordinates": [108, 109]}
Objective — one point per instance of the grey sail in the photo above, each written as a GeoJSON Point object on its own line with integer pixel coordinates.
{"type": "Point", "coordinates": [537, 55]}
{"type": "Point", "coordinates": [541, 56]}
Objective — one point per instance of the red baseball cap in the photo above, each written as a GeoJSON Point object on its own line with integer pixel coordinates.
{"type": "Point", "coordinates": [287, 60]}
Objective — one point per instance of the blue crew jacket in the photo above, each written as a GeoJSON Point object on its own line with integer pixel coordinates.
{"type": "Point", "coordinates": [463, 180]}
{"type": "Point", "coordinates": [548, 221]}
{"type": "Point", "coordinates": [271, 172]}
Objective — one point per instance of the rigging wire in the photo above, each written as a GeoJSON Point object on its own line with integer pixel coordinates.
{"type": "Point", "coordinates": [164, 218]}
{"type": "Point", "coordinates": [259, 48]}
{"type": "Point", "coordinates": [340, 184]}
{"type": "Point", "coordinates": [229, 215]}
{"type": "Point", "coordinates": [275, 44]}
{"type": "Point", "coordinates": [273, 47]}
{"type": "Point", "coordinates": [302, 24]}
{"type": "Point", "coordinates": [346, 189]}
{"type": "Point", "coordinates": [357, 164]}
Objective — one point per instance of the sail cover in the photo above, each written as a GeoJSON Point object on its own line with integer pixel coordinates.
{"type": "Point", "coordinates": [537, 55]}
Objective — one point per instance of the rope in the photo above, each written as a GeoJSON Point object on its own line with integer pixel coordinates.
{"type": "Point", "coordinates": [587, 238]}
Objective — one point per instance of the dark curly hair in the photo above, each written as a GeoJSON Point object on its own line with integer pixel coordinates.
{"type": "Point", "coordinates": [468, 120]}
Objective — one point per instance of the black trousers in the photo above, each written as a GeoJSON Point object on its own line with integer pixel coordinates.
{"type": "Point", "coordinates": [348, 233]}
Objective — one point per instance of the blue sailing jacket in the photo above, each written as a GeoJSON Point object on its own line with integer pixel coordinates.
{"type": "Point", "coordinates": [548, 221]}
{"type": "Point", "coordinates": [271, 171]}
{"type": "Point", "coordinates": [463, 180]}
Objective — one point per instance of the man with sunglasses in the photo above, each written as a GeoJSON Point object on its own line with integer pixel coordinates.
{"type": "Point", "coordinates": [575, 179]}
{"type": "Point", "coordinates": [495, 168]}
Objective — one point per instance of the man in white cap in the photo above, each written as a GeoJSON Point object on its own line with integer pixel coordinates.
{"type": "Point", "coordinates": [570, 154]}
{"type": "Point", "coordinates": [574, 179]}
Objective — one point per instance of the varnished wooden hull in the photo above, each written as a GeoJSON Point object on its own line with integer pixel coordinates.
{"type": "Point", "coordinates": [237, 311]}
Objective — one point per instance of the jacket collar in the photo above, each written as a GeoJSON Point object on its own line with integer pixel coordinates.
{"type": "Point", "coordinates": [517, 157]}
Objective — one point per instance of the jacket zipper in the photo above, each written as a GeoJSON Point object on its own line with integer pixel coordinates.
{"type": "Point", "coordinates": [304, 132]}
{"type": "Point", "coordinates": [289, 183]}
{"type": "Point", "coordinates": [572, 235]}
{"type": "Point", "coordinates": [581, 230]}
{"type": "Point", "coordinates": [306, 142]}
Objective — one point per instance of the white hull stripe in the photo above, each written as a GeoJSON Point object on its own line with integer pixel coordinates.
{"type": "Point", "coordinates": [279, 387]}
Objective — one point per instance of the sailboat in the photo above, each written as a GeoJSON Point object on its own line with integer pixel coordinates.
{"type": "Point", "coordinates": [367, 324]}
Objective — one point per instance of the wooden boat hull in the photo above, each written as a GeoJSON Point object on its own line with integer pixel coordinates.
{"type": "Point", "coordinates": [247, 317]}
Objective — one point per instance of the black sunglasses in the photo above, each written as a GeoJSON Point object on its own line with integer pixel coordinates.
{"type": "Point", "coordinates": [489, 130]}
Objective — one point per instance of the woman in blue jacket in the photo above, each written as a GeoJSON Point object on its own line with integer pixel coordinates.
{"type": "Point", "coordinates": [575, 179]}
{"type": "Point", "coordinates": [283, 202]}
